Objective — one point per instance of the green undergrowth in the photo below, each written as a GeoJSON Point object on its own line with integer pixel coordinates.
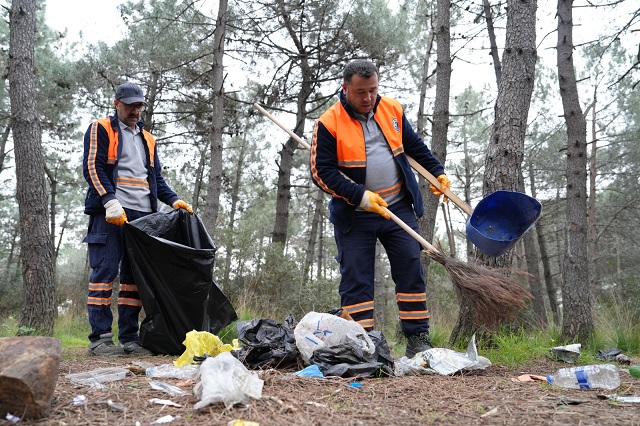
{"type": "Point", "coordinates": [507, 348]}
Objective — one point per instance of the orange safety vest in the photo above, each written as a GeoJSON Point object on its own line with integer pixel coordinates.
{"type": "Point", "coordinates": [112, 153]}
{"type": "Point", "coordinates": [349, 135]}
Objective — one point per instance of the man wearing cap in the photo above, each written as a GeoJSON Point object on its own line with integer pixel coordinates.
{"type": "Point", "coordinates": [124, 174]}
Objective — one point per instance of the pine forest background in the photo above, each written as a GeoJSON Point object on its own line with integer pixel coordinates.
{"type": "Point", "coordinates": [203, 68]}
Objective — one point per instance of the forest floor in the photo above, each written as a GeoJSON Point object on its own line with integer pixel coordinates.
{"type": "Point", "coordinates": [479, 397]}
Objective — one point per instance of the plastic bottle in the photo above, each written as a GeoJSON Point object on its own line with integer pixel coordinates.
{"type": "Point", "coordinates": [603, 376]}
{"type": "Point", "coordinates": [170, 371]}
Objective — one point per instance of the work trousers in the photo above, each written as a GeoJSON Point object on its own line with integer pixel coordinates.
{"type": "Point", "coordinates": [356, 255]}
{"type": "Point", "coordinates": [108, 258]}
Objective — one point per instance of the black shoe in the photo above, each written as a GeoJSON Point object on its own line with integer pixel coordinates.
{"type": "Point", "coordinates": [135, 348]}
{"type": "Point", "coordinates": [105, 346]}
{"type": "Point", "coordinates": [417, 343]}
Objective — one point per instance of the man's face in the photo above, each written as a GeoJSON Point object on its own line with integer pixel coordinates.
{"type": "Point", "coordinates": [361, 93]}
{"type": "Point", "coordinates": [129, 114]}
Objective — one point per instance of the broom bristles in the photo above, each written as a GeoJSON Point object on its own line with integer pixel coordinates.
{"type": "Point", "coordinates": [493, 295]}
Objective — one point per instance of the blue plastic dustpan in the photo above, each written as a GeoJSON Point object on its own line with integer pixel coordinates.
{"type": "Point", "coordinates": [500, 219]}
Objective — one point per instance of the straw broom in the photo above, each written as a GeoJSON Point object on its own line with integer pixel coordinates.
{"type": "Point", "coordinates": [493, 295]}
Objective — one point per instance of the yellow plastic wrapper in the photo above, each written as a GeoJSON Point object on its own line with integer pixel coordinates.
{"type": "Point", "coordinates": [199, 343]}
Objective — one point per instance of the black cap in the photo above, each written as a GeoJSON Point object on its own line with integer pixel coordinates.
{"type": "Point", "coordinates": [130, 93]}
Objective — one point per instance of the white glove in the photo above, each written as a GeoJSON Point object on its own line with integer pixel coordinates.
{"type": "Point", "coordinates": [115, 213]}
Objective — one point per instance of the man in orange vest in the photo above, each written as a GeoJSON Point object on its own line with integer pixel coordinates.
{"type": "Point", "coordinates": [359, 156]}
{"type": "Point", "coordinates": [124, 174]}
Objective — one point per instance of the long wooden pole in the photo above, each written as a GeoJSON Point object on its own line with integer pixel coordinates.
{"type": "Point", "coordinates": [417, 167]}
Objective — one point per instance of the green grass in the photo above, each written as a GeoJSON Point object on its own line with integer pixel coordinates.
{"type": "Point", "coordinates": [614, 329]}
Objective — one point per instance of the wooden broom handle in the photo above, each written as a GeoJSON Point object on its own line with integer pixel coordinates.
{"type": "Point", "coordinates": [453, 197]}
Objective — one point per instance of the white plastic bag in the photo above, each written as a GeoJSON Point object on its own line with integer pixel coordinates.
{"type": "Point", "coordinates": [225, 379]}
{"type": "Point", "coordinates": [316, 330]}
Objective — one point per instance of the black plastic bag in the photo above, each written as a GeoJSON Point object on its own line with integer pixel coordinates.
{"type": "Point", "coordinates": [171, 257]}
{"type": "Point", "coordinates": [345, 361]}
{"type": "Point", "coordinates": [266, 344]}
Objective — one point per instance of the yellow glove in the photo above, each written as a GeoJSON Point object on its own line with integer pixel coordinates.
{"type": "Point", "coordinates": [444, 186]}
{"type": "Point", "coordinates": [115, 213]}
{"type": "Point", "coordinates": [372, 202]}
{"type": "Point", "coordinates": [182, 205]}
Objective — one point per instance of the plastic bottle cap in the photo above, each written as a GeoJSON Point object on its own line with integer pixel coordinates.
{"type": "Point", "coordinates": [635, 371]}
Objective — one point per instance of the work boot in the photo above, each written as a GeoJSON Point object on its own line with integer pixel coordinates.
{"type": "Point", "coordinates": [104, 346]}
{"type": "Point", "coordinates": [135, 348]}
{"type": "Point", "coordinates": [417, 343]}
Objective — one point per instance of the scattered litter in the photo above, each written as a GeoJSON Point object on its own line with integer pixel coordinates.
{"type": "Point", "coordinates": [200, 345]}
{"type": "Point", "coordinates": [528, 378]}
{"type": "Point", "coordinates": [310, 371]}
{"type": "Point", "coordinates": [620, 398]}
{"type": "Point", "coordinates": [166, 387]}
{"type": "Point", "coordinates": [96, 378]}
{"type": "Point", "coordinates": [225, 379]}
{"type": "Point", "coordinates": [587, 377]}
{"type": "Point", "coordinates": [166, 419]}
{"type": "Point", "coordinates": [355, 384]}
{"type": "Point", "coordinates": [317, 330]}
{"type": "Point", "coordinates": [139, 367]}
{"type": "Point", "coordinates": [170, 371]}
{"type": "Point", "coordinates": [443, 361]}
{"type": "Point", "coordinates": [113, 406]}
{"type": "Point", "coordinates": [490, 412]}
{"type": "Point", "coordinates": [568, 353]}
{"type": "Point", "coordinates": [79, 400]}
{"type": "Point", "coordinates": [613, 354]}
{"type": "Point", "coordinates": [237, 422]}
{"type": "Point", "coordinates": [164, 402]}
{"type": "Point", "coordinates": [315, 404]}
{"type": "Point", "coordinates": [622, 359]}
{"type": "Point", "coordinates": [635, 371]}
{"type": "Point", "coordinates": [12, 418]}
{"type": "Point", "coordinates": [266, 343]}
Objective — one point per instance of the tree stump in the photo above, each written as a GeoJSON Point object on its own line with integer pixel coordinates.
{"type": "Point", "coordinates": [29, 369]}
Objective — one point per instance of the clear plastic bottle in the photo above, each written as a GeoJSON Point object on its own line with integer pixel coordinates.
{"type": "Point", "coordinates": [603, 376]}
{"type": "Point", "coordinates": [170, 371]}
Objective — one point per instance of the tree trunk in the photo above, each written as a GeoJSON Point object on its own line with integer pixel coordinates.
{"type": "Point", "coordinates": [3, 146]}
{"type": "Point", "coordinates": [427, 222]}
{"type": "Point", "coordinates": [39, 311]}
{"type": "Point", "coordinates": [316, 220]}
{"type": "Point", "coordinates": [592, 231]}
{"type": "Point", "coordinates": [212, 206]}
{"type": "Point", "coordinates": [281, 227]}
{"type": "Point", "coordinates": [577, 323]}
{"type": "Point", "coordinates": [235, 197]}
{"type": "Point", "coordinates": [544, 256]}
{"type": "Point", "coordinates": [535, 284]}
{"type": "Point", "coordinates": [488, 16]}
{"type": "Point", "coordinates": [503, 159]}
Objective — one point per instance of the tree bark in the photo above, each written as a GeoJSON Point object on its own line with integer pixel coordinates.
{"type": "Point", "coordinates": [212, 206]}
{"type": "Point", "coordinates": [544, 256]}
{"type": "Point", "coordinates": [592, 231]}
{"type": "Point", "coordinates": [488, 16]}
{"type": "Point", "coordinates": [281, 226]}
{"type": "Point", "coordinates": [535, 285]}
{"type": "Point", "coordinates": [577, 323]}
{"type": "Point", "coordinates": [39, 311]}
{"type": "Point", "coordinates": [503, 159]}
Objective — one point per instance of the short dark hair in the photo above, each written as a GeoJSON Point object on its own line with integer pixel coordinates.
{"type": "Point", "coordinates": [362, 67]}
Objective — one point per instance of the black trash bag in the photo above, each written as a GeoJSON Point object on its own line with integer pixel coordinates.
{"type": "Point", "coordinates": [266, 344]}
{"type": "Point", "coordinates": [171, 257]}
{"type": "Point", "coordinates": [382, 353]}
{"type": "Point", "coordinates": [345, 361]}
{"type": "Point", "coordinates": [609, 354]}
